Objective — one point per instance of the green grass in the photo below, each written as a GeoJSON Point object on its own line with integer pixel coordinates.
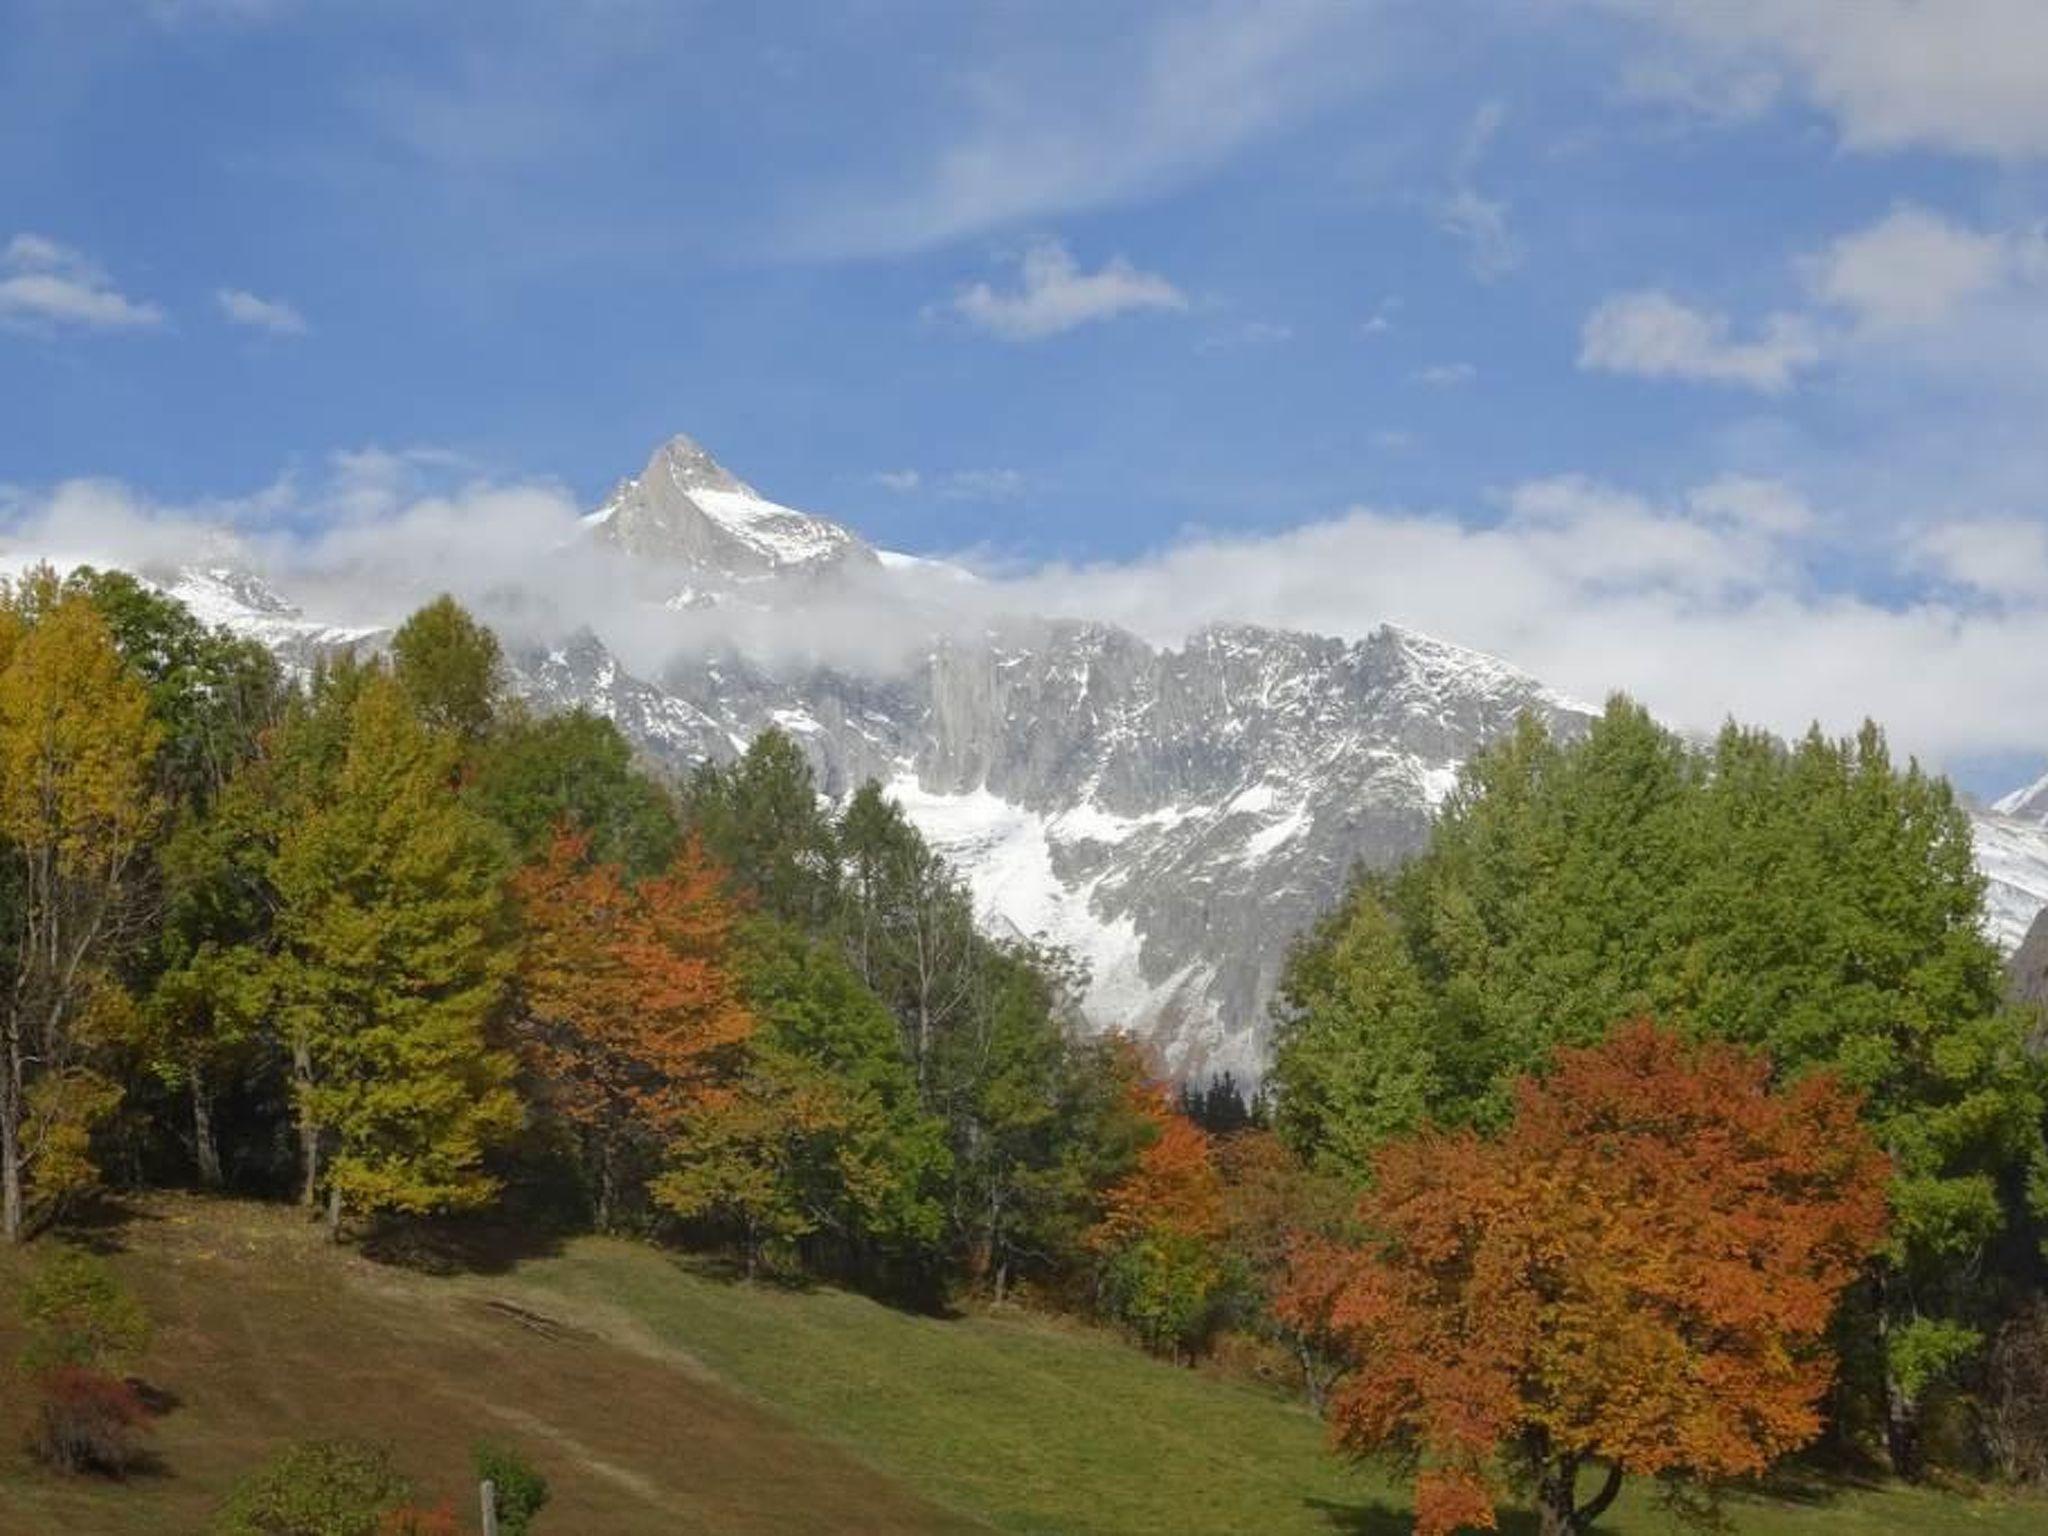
{"type": "Point", "coordinates": [1037, 1426]}
{"type": "Point", "coordinates": [661, 1398]}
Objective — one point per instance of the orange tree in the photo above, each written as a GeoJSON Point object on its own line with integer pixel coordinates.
{"type": "Point", "coordinates": [631, 1019]}
{"type": "Point", "coordinates": [1636, 1276]}
{"type": "Point", "coordinates": [1160, 1233]}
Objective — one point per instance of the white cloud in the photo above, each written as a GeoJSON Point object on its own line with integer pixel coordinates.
{"type": "Point", "coordinates": [1969, 76]}
{"type": "Point", "coordinates": [1055, 295]}
{"type": "Point", "coordinates": [1705, 604]}
{"type": "Point", "coordinates": [48, 285]}
{"type": "Point", "coordinates": [272, 315]}
{"type": "Point", "coordinates": [1068, 124]}
{"type": "Point", "coordinates": [2001, 557]}
{"type": "Point", "coordinates": [1445, 375]}
{"type": "Point", "coordinates": [904, 480]}
{"type": "Point", "coordinates": [1650, 334]}
{"type": "Point", "coordinates": [1916, 268]}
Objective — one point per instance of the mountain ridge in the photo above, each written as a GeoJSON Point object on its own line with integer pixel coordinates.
{"type": "Point", "coordinates": [1172, 814]}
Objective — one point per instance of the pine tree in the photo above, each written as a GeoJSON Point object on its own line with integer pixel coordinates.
{"type": "Point", "coordinates": [393, 959]}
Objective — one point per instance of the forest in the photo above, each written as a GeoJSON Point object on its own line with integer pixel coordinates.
{"type": "Point", "coordinates": [1662, 1120]}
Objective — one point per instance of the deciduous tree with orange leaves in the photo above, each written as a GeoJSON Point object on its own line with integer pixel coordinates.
{"type": "Point", "coordinates": [1161, 1229]}
{"type": "Point", "coordinates": [632, 1018]}
{"type": "Point", "coordinates": [1635, 1277]}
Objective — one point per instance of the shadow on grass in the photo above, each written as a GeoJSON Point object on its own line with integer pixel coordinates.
{"type": "Point", "coordinates": [461, 1245]}
{"type": "Point", "coordinates": [101, 1225]}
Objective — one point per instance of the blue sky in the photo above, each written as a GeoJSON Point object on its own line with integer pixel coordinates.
{"type": "Point", "coordinates": [1694, 349]}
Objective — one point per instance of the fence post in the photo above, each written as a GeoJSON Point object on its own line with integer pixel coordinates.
{"type": "Point", "coordinates": [489, 1494]}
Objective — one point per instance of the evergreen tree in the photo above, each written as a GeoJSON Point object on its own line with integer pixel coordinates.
{"type": "Point", "coordinates": [393, 958]}
{"type": "Point", "coordinates": [450, 668]}
{"type": "Point", "coordinates": [762, 818]}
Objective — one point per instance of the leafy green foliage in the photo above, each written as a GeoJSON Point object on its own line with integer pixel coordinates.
{"type": "Point", "coordinates": [522, 1490]}
{"type": "Point", "coordinates": [76, 1312]}
{"type": "Point", "coordinates": [450, 668]}
{"type": "Point", "coordinates": [316, 1488]}
{"type": "Point", "coordinates": [394, 952]}
{"type": "Point", "coordinates": [535, 775]}
{"type": "Point", "coordinates": [1815, 901]}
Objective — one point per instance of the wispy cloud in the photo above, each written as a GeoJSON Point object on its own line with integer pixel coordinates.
{"type": "Point", "coordinates": [1055, 295]}
{"type": "Point", "coordinates": [1969, 76]}
{"type": "Point", "coordinates": [1445, 375]}
{"type": "Point", "coordinates": [1136, 109]}
{"type": "Point", "coordinates": [1652, 335]}
{"type": "Point", "coordinates": [51, 286]}
{"type": "Point", "coordinates": [272, 315]}
{"type": "Point", "coordinates": [1478, 222]}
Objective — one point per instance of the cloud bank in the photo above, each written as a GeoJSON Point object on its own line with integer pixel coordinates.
{"type": "Point", "coordinates": [1705, 604]}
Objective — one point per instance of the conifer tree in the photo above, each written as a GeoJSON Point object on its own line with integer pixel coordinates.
{"type": "Point", "coordinates": [393, 959]}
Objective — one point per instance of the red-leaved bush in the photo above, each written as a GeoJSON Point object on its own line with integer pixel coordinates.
{"type": "Point", "coordinates": [88, 1421]}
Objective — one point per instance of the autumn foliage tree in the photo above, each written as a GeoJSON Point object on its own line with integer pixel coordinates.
{"type": "Point", "coordinates": [632, 1018]}
{"type": "Point", "coordinates": [78, 809]}
{"type": "Point", "coordinates": [1636, 1275]}
{"type": "Point", "coordinates": [1160, 1231]}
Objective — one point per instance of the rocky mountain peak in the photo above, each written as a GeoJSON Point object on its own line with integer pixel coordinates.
{"type": "Point", "coordinates": [687, 510]}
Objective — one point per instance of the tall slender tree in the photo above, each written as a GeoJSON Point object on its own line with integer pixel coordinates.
{"type": "Point", "coordinates": [77, 811]}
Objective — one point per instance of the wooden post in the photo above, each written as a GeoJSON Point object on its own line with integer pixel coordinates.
{"type": "Point", "coordinates": [489, 1495]}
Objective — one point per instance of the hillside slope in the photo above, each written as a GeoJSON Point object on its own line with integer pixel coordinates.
{"type": "Point", "coordinates": [659, 1399]}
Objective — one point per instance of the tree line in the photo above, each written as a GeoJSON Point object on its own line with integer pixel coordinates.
{"type": "Point", "coordinates": [1662, 1115]}
{"type": "Point", "coordinates": [383, 940]}
{"type": "Point", "coordinates": [1811, 906]}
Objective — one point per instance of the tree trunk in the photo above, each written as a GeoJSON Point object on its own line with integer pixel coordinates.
{"type": "Point", "coordinates": [1558, 1510]}
{"type": "Point", "coordinates": [1311, 1383]}
{"type": "Point", "coordinates": [204, 1147]}
{"type": "Point", "coordinates": [309, 1132]}
{"type": "Point", "coordinates": [333, 1212]}
{"type": "Point", "coordinates": [607, 1184]}
{"type": "Point", "coordinates": [11, 1213]}
{"type": "Point", "coordinates": [1901, 1412]}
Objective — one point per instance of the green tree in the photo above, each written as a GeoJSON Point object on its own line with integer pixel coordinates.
{"type": "Point", "coordinates": [1816, 901]}
{"type": "Point", "coordinates": [394, 954]}
{"type": "Point", "coordinates": [451, 669]}
{"type": "Point", "coordinates": [762, 818]}
{"type": "Point", "coordinates": [211, 692]}
{"type": "Point", "coordinates": [1356, 1044]}
{"type": "Point", "coordinates": [537, 773]}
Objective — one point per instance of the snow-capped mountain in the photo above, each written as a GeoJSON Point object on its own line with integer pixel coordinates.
{"type": "Point", "coordinates": [1172, 815]}
{"type": "Point", "coordinates": [686, 511]}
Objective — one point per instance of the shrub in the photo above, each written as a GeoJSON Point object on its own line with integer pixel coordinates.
{"type": "Point", "coordinates": [316, 1488]}
{"type": "Point", "coordinates": [522, 1490]}
{"type": "Point", "coordinates": [78, 1313]}
{"type": "Point", "coordinates": [87, 1421]}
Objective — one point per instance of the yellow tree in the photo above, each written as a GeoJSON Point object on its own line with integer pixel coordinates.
{"type": "Point", "coordinates": [77, 813]}
{"type": "Point", "coordinates": [394, 953]}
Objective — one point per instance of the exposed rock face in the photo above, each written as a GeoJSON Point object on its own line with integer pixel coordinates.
{"type": "Point", "coordinates": [2026, 978]}
{"type": "Point", "coordinates": [1173, 816]}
